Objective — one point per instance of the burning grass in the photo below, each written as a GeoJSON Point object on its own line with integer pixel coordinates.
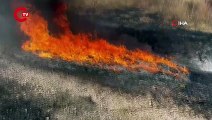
{"type": "Point", "coordinates": [82, 49]}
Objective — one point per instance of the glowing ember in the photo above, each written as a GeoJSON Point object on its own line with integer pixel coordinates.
{"type": "Point", "coordinates": [81, 49]}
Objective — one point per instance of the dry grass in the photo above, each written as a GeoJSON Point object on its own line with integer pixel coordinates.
{"type": "Point", "coordinates": [197, 12]}
{"type": "Point", "coordinates": [60, 93]}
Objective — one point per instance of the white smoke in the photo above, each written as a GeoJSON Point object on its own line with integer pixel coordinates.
{"type": "Point", "coordinates": [206, 66]}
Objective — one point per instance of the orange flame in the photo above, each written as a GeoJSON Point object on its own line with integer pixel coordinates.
{"type": "Point", "coordinates": [81, 49]}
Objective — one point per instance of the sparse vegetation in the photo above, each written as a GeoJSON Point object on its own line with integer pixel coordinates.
{"type": "Point", "coordinates": [197, 12]}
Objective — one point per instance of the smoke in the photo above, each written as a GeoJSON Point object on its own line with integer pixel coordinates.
{"type": "Point", "coordinates": [201, 55]}
{"type": "Point", "coordinates": [205, 65]}
{"type": "Point", "coordinates": [6, 26]}
{"type": "Point", "coordinates": [10, 35]}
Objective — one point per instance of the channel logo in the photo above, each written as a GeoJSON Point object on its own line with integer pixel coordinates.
{"type": "Point", "coordinates": [174, 23]}
{"type": "Point", "coordinates": [21, 14]}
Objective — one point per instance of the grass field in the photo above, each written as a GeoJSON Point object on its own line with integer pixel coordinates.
{"type": "Point", "coordinates": [197, 12]}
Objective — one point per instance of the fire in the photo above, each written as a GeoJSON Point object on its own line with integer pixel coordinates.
{"type": "Point", "coordinates": [82, 49]}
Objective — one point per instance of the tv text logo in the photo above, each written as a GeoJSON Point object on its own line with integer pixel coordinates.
{"type": "Point", "coordinates": [21, 14]}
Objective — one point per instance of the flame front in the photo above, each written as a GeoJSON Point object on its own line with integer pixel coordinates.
{"type": "Point", "coordinates": [81, 49]}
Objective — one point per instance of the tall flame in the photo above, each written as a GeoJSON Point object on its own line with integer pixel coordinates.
{"type": "Point", "coordinates": [81, 49]}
